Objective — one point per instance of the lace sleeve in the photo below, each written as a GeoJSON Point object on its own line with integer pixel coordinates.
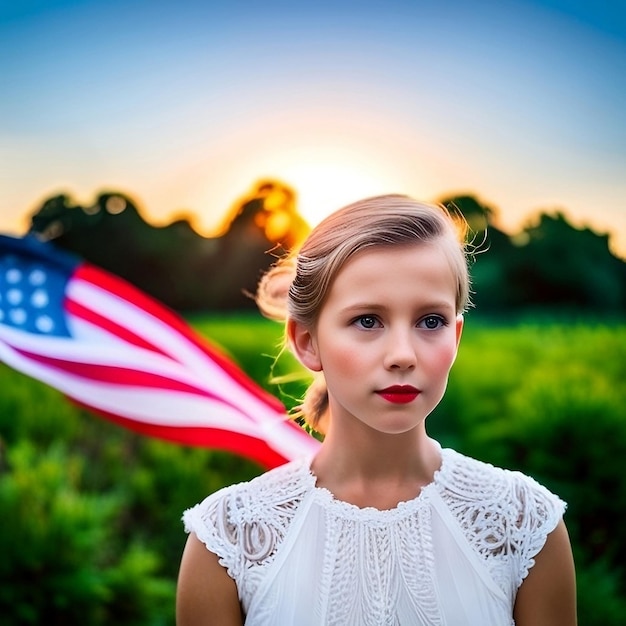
{"type": "Point", "coordinates": [538, 511]}
{"type": "Point", "coordinates": [211, 521]}
{"type": "Point", "coordinates": [244, 524]}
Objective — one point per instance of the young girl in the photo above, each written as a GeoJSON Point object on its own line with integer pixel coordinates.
{"type": "Point", "coordinates": [383, 526]}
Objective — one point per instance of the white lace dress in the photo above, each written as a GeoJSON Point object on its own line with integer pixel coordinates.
{"type": "Point", "coordinates": [454, 556]}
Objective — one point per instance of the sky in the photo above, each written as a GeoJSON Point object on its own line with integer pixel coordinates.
{"type": "Point", "coordinates": [185, 105]}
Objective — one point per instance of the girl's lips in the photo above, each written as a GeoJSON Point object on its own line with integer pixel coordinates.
{"type": "Point", "coordinates": [399, 394]}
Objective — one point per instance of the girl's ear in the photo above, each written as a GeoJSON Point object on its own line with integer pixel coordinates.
{"type": "Point", "coordinates": [304, 346]}
{"type": "Point", "coordinates": [459, 329]}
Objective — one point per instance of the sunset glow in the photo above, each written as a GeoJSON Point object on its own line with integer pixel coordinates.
{"type": "Point", "coordinates": [326, 179]}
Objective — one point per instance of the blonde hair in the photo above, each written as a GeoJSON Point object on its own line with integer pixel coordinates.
{"type": "Point", "coordinates": [297, 286]}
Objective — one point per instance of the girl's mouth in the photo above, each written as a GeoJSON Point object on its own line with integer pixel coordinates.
{"type": "Point", "coordinates": [399, 394]}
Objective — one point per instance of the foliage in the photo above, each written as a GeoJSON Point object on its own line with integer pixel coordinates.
{"type": "Point", "coordinates": [61, 558]}
{"type": "Point", "coordinates": [91, 512]}
{"type": "Point", "coordinates": [549, 264]}
{"type": "Point", "coordinates": [601, 598]}
{"type": "Point", "coordinates": [175, 264]}
{"type": "Point", "coordinates": [569, 266]}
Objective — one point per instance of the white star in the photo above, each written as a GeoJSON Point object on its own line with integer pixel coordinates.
{"type": "Point", "coordinates": [14, 296]}
{"type": "Point", "coordinates": [39, 298]}
{"type": "Point", "coordinates": [37, 277]}
{"type": "Point", "coordinates": [13, 276]}
{"type": "Point", "coordinates": [18, 316]}
{"type": "Point", "coordinates": [44, 323]}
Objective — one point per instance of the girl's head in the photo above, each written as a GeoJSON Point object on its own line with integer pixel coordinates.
{"type": "Point", "coordinates": [297, 286]}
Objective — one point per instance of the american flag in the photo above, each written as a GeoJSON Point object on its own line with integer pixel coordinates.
{"type": "Point", "coordinates": [116, 351]}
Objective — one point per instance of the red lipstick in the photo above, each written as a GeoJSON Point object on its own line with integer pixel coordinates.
{"type": "Point", "coordinates": [399, 394]}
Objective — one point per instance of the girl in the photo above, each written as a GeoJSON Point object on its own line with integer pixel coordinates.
{"type": "Point", "coordinates": [383, 526]}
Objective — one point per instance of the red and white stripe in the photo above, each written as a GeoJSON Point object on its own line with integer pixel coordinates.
{"type": "Point", "coordinates": [141, 366]}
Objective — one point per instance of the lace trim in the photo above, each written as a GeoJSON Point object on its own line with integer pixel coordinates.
{"type": "Point", "coordinates": [371, 515]}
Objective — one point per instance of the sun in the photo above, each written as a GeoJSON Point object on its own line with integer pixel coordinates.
{"type": "Point", "coordinates": [327, 178]}
{"type": "Point", "coordinates": [326, 165]}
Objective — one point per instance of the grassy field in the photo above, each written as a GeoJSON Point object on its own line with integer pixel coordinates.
{"type": "Point", "coordinates": [91, 512]}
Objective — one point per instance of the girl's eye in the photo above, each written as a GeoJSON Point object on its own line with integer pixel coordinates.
{"type": "Point", "coordinates": [366, 321]}
{"type": "Point", "coordinates": [432, 322]}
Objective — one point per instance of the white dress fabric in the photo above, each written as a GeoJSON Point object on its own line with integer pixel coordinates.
{"type": "Point", "coordinates": [453, 556]}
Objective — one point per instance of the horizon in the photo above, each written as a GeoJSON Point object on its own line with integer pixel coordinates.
{"type": "Point", "coordinates": [218, 229]}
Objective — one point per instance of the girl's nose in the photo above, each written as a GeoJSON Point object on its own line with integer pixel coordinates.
{"type": "Point", "coordinates": [400, 352]}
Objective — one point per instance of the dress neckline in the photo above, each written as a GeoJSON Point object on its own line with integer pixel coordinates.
{"type": "Point", "coordinates": [405, 507]}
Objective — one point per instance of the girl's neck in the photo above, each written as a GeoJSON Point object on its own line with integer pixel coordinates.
{"type": "Point", "coordinates": [377, 471]}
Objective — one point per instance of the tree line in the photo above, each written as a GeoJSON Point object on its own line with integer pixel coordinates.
{"type": "Point", "coordinates": [549, 265]}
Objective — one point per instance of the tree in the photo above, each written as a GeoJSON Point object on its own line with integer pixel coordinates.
{"type": "Point", "coordinates": [550, 264]}
{"type": "Point", "coordinates": [479, 217]}
{"type": "Point", "coordinates": [489, 249]}
{"type": "Point", "coordinates": [567, 267]}
{"type": "Point", "coordinates": [175, 264]}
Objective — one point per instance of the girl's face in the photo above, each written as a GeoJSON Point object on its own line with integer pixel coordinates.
{"type": "Point", "coordinates": [386, 337]}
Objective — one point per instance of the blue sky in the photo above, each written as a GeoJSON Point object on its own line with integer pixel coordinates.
{"type": "Point", "coordinates": [184, 105]}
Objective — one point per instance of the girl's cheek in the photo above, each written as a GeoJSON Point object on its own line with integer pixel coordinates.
{"type": "Point", "coordinates": [347, 359]}
{"type": "Point", "coordinates": [444, 358]}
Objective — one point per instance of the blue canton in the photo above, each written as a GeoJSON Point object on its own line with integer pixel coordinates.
{"type": "Point", "coordinates": [33, 279]}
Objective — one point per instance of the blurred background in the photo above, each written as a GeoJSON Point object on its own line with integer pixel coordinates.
{"type": "Point", "coordinates": [175, 144]}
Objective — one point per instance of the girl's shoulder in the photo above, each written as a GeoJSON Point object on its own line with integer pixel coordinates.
{"type": "Point", "coordinates": [237, 519]}
{"type": "Point", "coordinates": [506, 515]}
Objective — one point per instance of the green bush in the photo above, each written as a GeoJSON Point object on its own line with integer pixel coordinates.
{"type": "Point", "coordinates": [61, 559]}
{"type": "Point", "coordinates": [600, 595]}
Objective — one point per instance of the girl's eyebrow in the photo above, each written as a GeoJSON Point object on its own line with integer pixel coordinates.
{"type": "Point", "coordinates": [374, 307]}
{"type": "Point", "coordinates": [360, 306]}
